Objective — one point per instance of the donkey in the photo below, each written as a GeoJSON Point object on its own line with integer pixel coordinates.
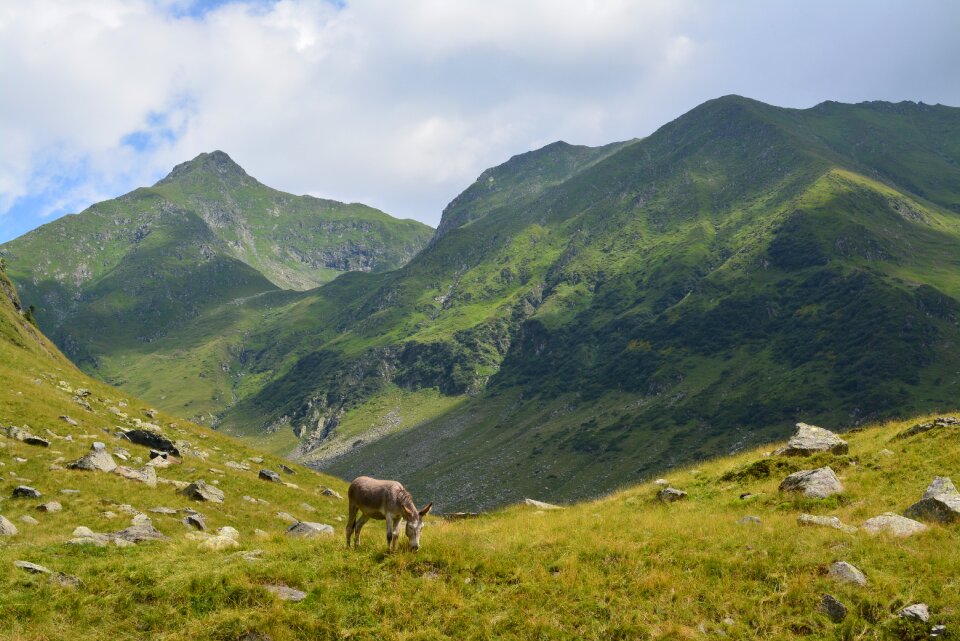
{"type": "Point", "coordinates": [381, 500]}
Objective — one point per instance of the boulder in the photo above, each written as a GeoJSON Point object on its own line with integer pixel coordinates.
{"type": "Point", "coordinates": [825, 521]}
{"type": "Point", "coordinates": [270, 475]}
{"type": "Point", "coordinates": [146, 475]}
{"type": "Point", "coordinates": [29, 520]}
{"type": "Point", "coordinates": [25, 492]}
{"type": "Point", "coordinates": [810, 439]}
{"type": "Point", "coordinates": [195, 521]}
{"type": "Point", "coordinates": [202, 491]}
{"type": "Point", "coordinates": [917, 612]}
{"type": "Point", "coordinates": [32, 568]}
{"type": "Point", "coordinates": [671, 494]}
{"type": "Point", "coordinates": [940, 503]}
{"type": "Point", "coordinates": [229, 532]}
{"type": "Point", "coordinates": [69, 421]}
{"type": "Point", "coordinates": [813, 484]}
{"type": "Point", "coordinates": [153, 440]}
{"type": "Point", "coordinates": [830, 606]}
{"type": "Point", "coordinates": [330, 492]}
{"type": "Point", "coordinates": [218, 543]}
{"type": "Point", "coordinates": [6, 527]}
{"type": "Point", "coordinates": [287, 593]}
{"type": "Point", "coordinates": [662, 482]}
{"type": "Point", "coordinates": [307, 530]}
{"type": "Point", "coordinates": [98, 459]}
{"type": "Point", "coordinates": [847, 573]}
{"type": "Point", "coordinates": [287, 470]}
{"type": "Point", "coordinates": [52, 506]}
{"type": "Point", "coordinates": [138, 533]}
{"type": "Point", "coordinates": [894, 525]}
{"type": "Point", "coordinates": [541, 505]}
{"type": "Point", "coordinates": [749, 520]}
{"type": "Point", "coordinates": [36, 440]}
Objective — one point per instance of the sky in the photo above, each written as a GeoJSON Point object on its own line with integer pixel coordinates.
{"type": "Point", "coordinates": [402, 104]}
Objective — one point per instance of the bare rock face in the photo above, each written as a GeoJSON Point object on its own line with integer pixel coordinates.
{"type": "Point", "coordinates": [810, 439]}
{"type": "Point", "coordinates": [847, 573]}
{"type": "Point", "coordinates": [307, 530]}
{"type": "Point", "coordinates": [98, 459]}
{"type": "Point", "coordinates": [894, 525]}
{"type": "Point", "coordinates": [940, 503]}
{"type": "Point", "coordinates": [203, 491]}
{"type": "Point", "coordinates": [814, 484]}
{"type": "Point", "coordinates": [825, 521]}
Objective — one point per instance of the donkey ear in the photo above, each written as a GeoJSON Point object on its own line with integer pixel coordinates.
{"type": "Point", "coordinates": [425, 510]}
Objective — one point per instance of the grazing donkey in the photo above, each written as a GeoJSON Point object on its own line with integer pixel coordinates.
{"type": "Point", "coordinates": [381, 500]}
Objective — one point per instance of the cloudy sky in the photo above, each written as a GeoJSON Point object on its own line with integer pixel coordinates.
{"type": "Point", "coordinates": [401, 104]}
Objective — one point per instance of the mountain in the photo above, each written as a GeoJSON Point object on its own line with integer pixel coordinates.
{"type": "Point", "coordinates": [588, 317]}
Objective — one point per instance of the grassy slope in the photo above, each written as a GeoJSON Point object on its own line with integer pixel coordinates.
{"type": "Point", "coordinates": [622, 566]}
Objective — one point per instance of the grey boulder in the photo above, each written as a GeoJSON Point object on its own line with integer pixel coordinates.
{"type": "Point", "coordinates": [810, 439]}
{"type": "Point", "coordinates": [847, 573]}
{"type": "Point", "coordinates": [917, 612]}
{"type": "Point", "coordinates": [671, 494]}
{"type": "Point", "coordinates": [270, 475]}
{"type": "Point", "coordinates": [940, 503]}
{"type": "Point", "coordinates": [25, 492]}
{"type": "Point", "coordinates": [825, 521]}
{"type": "Point", "coordinates": [203, 491]}
{"type": "Point", "coordinates": [6, 527]}
{"type": "Point", "coordinates": [832, 607]}
{"type": "Point", "coordinates": [894, 525]}
{"type": "Point", "coordinates": [813, 484]}
{"type": "Point", "coordinates": [308, 530]}
{"type": "Point", "coordinates": [98, 459]}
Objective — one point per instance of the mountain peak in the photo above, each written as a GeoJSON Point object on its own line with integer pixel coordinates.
{"type": "Point", "coordinates": [216, 163]}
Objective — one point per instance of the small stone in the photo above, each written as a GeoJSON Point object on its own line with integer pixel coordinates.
{"type": "Point", "coordinates": [229, 532]}
{"type": "Point", "coordinates": [162, 510]}
{"type": "Point", "coordinates": [270, 475]}
{"type": "Point", "coordinates": [917, 612]}
{"type": "Point", "coordinates": [69, 421]}
{"type": "Point", "coordinates": [894, 525]}
{"type": "Point", "coordinates": [36, 440]}
{"type": "Point", "coordinates": [256, 459]}
{"type": "Point", "coordinates": [886, 452]}
{"type": "Point", "coordinates": [331, 492]}
{"type": "Point", "coordinates": [260, 534]}
{"type": "Point", "coordinates": [307, 530]}
{"type": "Point", "coordinates": [306, 507]}
{"type": "Point", "coordinates": [671, 494]}
{"type": "Point", "coordinates": [25, 492]}
{"type": "Point", "coordinates": [29, 520]}
{"type": "Point", "coordinates": [286, 592]}
{"type": "Point", "coordinates": [938, 631]}
{"type": "Point", "coordinates": [847, 573]}
{"type": "Point", "coordinates": [749, 520]}
{"type": "Point", "coordinates": [237, 466]}
{"type": "Point", "coordinates": [52, 506]}
{"type": "Point", "coordinates": [6, 527]}
{"type": "Point", "coordinates": [826, 521]}
{"type": "Point", "coordinates": [662, 482]}
{"type": "Point", "coordinates": [813, 484]}
{"type": "Point", "coordinates": [32, 568]}
{"type": "Point", "coordinates": [195, 521]}
{"type": "Point", "coordinates": [285, 516]}
{"type": "Point", "coordinates": [69, 491]}
{"type": "Point", "coordinates": [920, 428]}
{"type": "Point", "coordinates": [108, 514]}
{"type": "Point", "coordinates": [541, 505]}
{"type": "Point", "coordinates": [257, 501]}
{"type": "Point", "coordinates": [202, 491]}
{"type": "Point", "coordinates": [830, 606]}
{"type": "Point", "coordinates": [218, 543]}
{"type": "Point", "coordinates": [810, 439]}
{"type": "Point", "coordinates": [286, 470]}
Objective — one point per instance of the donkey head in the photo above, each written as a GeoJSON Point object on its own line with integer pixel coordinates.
{"type": "Point", "coordinates": [414, 521]}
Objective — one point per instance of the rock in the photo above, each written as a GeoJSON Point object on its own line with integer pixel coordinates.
{"type": "Point", "coordinates": [6, 527]}
{"type": "Point", "coordinates": [830, 606]}
{"type": "Point", "coordinates": [847, 573]}
{"type": "Point", "coordinates": [29, 520]}
{"type": "Point", "coordinates": [920, 428]}
{"type": "Point", "coordinates": [886, 452]}
{"type": "Point", "coordinates": [218, 543]}
{"type": "Point", "coordinates": [201, 491]}
{"type": "Point", "coordinates": [541, 505]}
{"type": "Point", "coordinates": [292, 486]}
{"type": "Point", "coordinates": [52, 506]}
{"type": "Point", "coordinates": [286, 470]}
{"type": "Point", "coordinates": [36, 440]}
{"type": "Point", "coordinates": [749, 520]}
{"type": "Point", "coordinates": [25, 492]}
{"type": "Point", "coordinates": [146, 475]}
{"type": "Point", "coordinates": [32, 568]}
{"type": "Point", "coordinates": [306, 507]}
{"type": "Point", "coordinates": [256, 501]}
{"type": "Point", "coordinates": [307, 530]}
{"type": "Point", "coordinates": [671, 494]}
{"type": "Point", "coordinates": [162, 510]}
{"type": "Point", "coordinates": [894, 525]}
{"type": "Point", "coordinates": [331, 492]}
{"type": "Point", "coordinates": [826, 521]}
{"type": "Point", "coordinates": [938, 631]}
{"type": "Point", "coordinates": [153, 440]}
{"type": "Point", "coordinates": [286, 592]}
{"type": "Point", "coordinates": [256, 459]}
{"type": "Point", "coordinates": [289, 518]}
{"type": "Point", "coordinates": [810, 439]}
{"type": "Point", "coordinates": [662, 482]}
{"type": "Point", "coordinates": [813, 484]}
{"type": "Point", "coordinates": [237, 466]}
{"type": "Point", "coordinates": [138, 533]}
{"type": "Point", "coordinates": [69, 421]}
{"type": "Point", "coordinates": [229, 532]}
{"type": "Point", "coordinates": [270, 475]}
{"type": "Point", "coordinates": [261, 534]}
{"type": "Point", "coordinates": [940, 503]}
{"type": "Point", "coordinates": [69, 491]}
{"type": "Point", "coordinates": [98, 459]}
{"type": "Point", "coordinates": [917, 612]}
{"type": "Point", "coordinates": [250, 555]}
{"type": "Point", "coordinates": [195, 521]}
{"type": "Point", "coordinates": [459, 516]}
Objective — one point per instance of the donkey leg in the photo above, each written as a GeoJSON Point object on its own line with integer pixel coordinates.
{"type": "Point", "coordinates": [351, 520]}
{"type": "Point", "coordinates": [356, 529]}
{"type": "Point", "coordinates": [389, 532]}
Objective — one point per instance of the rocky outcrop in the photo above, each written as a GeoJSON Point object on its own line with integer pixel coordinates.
{"type": "Point", "coordinates": [810, 439]}
{"type": "Point", "coordinates": [813, 484]}
{"type": "Point", "coordinates": [940, 503]}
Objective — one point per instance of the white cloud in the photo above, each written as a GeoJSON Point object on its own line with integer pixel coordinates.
{"type": "Point", "coordinates": [402, 104]}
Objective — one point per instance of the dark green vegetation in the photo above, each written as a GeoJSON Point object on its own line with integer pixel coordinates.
{"type": "Point", "coordinates": [587, 317]}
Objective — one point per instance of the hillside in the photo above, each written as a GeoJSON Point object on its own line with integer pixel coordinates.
{"type": "Point", "coordinates": [128, 271]}
{"type": "Point", "coordinates": [624, 566]}
{"type": "Point", "coordinates": [586, 317]}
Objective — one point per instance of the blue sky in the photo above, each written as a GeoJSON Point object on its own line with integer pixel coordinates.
{"type": "Point", "coordinates": [402, 104]}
